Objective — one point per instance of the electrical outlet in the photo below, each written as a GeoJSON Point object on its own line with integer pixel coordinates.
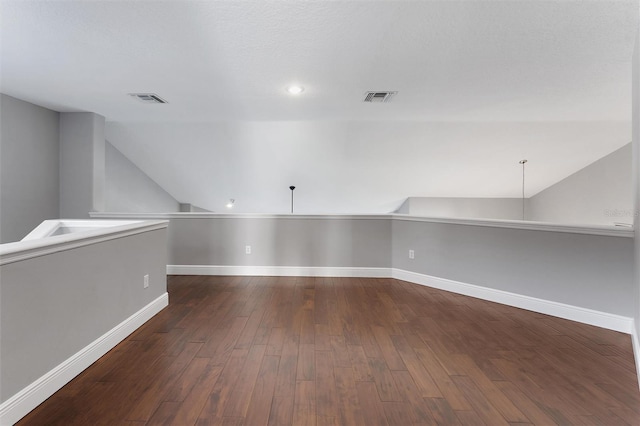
{"type": "Point", "coordinates": [412, 254]}
{"type": "Point", "coordinates": [247, 249]}
{"type": "Point", "coordinates": [146, 281]}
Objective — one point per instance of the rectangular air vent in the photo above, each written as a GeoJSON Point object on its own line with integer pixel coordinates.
{"type": "Point", "coordinates": [148, 98]}
{"type": "Point", "coordinates": [379, 96]}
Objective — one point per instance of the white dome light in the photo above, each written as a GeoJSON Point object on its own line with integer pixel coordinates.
{"type": "Point", "coordinates": [295, 90]}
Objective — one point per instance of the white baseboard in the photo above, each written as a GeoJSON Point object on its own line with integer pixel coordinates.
{"type": "Point", "coordinates": [561, 310]}
{"type": "Point", "coordinates": [556, 309]}
{"type": "Point", "coordinates": [279, 271]}
{"type": "Point", "coordinates": [635, 339]}
{"type": "Point", "coordinates": [37, 392]}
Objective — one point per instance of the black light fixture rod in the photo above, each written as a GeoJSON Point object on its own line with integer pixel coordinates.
{"type": "Point", "coordinates": [523, 162]}
{"type": "Point", "coordinates": [292, 188]}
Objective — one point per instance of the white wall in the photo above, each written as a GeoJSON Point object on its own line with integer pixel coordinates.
{"type": "Point", "coordinates": [487, 208]}
{"type": "Point", "coordinates": [129, 189]}
{"type": "Point", "coordinates": [82, 162]}
{"type": "Point", "coordinates": [357, 167]}
{"type": "Point", "coordinates": [29, 167]}
{"type": "Point", "coordinates": [601, 194]}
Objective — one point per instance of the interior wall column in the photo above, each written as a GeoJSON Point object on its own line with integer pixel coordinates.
{"type": "Point", "coordinates": [82, 164]}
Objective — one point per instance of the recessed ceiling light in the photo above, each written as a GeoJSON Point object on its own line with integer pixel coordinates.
{"type": "Point", "coordinates": [295, 90]}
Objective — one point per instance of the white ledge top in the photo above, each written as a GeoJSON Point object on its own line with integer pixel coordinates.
{"type": "Point", "coordinates": [209, 215]}
{"type": "Point", "coordinates": [603, 230]}
{"type": "Point", "coordinates": [102, 230]}
{"type": "Point", "coordinates": [606, 230]}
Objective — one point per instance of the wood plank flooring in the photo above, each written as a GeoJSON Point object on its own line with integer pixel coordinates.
{"type": "Point", "coordinates": [349, 351]}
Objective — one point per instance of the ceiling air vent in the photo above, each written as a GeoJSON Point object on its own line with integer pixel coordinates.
{"type": "Point", "coordinates": [379, 96]}
{"type": "Point", "coordinates": [148, 98]}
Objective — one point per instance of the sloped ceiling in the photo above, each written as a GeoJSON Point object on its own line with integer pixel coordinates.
{"type": "Point", "coordinates": [481, 85]}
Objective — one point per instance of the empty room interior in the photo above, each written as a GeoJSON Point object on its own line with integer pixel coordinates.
{"type": "Point", "coordinates": [319, 212]}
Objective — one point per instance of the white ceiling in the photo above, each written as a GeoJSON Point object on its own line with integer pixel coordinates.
{"type": "Point", "coordinates": [216, 60]}
{"type": "Point", "coordinates": [230, 61]}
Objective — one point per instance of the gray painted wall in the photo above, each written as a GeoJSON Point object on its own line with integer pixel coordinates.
{"type": "Point", "coordinates": [82, 164]}
{"type": "Point", "coordinates": [599, 194]}
{"type": "Point", "coordinates": [590, 271]}
{"type": "Point", "coordinates": [129, 189]}
{"type": "Point", "coordinates": [481, 208]}
{"type": "Point", "coordinates": [52, 306]}
{"type": "Point", "coordinates": [404, 207]}
{"type": "Point", "coordinates": [29, 167]}
{"type": "Point", "coordinates": [636, 187]}
{"type": "Point", "coordinates": [190, 208]}
{"type": "Point", "coordinates": [196, 209]}
{"type": "Point", "coordinates": [280, 242]}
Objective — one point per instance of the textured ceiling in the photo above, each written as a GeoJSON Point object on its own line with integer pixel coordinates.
{"type": "Point", "coordinates": [218, 60]}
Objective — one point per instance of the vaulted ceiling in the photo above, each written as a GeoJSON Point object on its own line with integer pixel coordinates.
{"type": "Point", "coordinates": [547, 80]}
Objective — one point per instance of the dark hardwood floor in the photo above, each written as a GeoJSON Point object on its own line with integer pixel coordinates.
{"type": "Point", "coordinates": [349, 351]}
